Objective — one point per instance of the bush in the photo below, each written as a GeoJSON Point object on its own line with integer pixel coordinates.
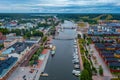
{"type": "Point", "coordinates": [44, 39]}
{"type": "Point", "coordinates": [85, 75]}
{"type": "Point", "coordinates": [94, 70]}
{"type": "Point", "coordinates": [36, 57]}
{"type": "Point", "coordinates": [31, 62]}
{"type": "Point", "coordinates": [100, 70]}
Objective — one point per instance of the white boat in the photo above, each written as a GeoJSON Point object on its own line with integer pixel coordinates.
{"type": "Point", "coordinates": [52, 52]}
{"type": "Point", "coordinates": [76, 61]}
{"type": "Point", "coordinates": [75, 41]}
{"type": "Point", "coordinates": [76, 72]}
{"type": "Point", "coordinates": [76, 66]}
{"type": "Point", "coordinates": [53, 48]}
{"type": "Point", "coordinates": [75, 46]}
{"type": "Point", "coordinates": [75, 55]}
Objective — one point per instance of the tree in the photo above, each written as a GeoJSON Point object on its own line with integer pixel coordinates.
{"type": "Point", "coordinates": [100, 70]}
{"type": "Point", "coordinates": [85, 75]}
{"type": "Point", "coordinates": [36, 57]}
{"type": "Point", "coordinates": [43, 25]}
{"type": "Point", "coordinates": [31, 62]}
{"type": "Point", "coordinates": [44, 38]}
{"type": "Point", "coordinates": [4, 31]}
{"type": "Point", "coordinates": [37, 33]}
{"type": "Point", "coordinates": [87, 66]}
{"type": "Point", "coordinates": [28, 34]}
{"type": "Point", "coordinates": [79, 36]}
{"type": "Point", "coordinates": [94, 70]}
{"type": "Point", "coordinates": [17, 31]}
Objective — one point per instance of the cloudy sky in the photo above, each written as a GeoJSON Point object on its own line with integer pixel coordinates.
{"type": "Point", "coordinates": [59, 6]}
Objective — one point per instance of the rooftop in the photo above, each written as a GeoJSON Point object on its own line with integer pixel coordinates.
{"type": "Point", "coordinates": [6, 65]}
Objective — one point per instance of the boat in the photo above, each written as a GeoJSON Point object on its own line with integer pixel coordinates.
{"type": "Point", "coordinates": [53, 50]}
{"type": "Point", "coordinates": [76, 66]}
{"type": "Point", "coordinates": [44, 74]}
{"type": "Point", "coordinates": [76, 73]}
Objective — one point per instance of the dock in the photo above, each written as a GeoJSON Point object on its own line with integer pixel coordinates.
{"type": "Point", "coordinates": [44, 74]}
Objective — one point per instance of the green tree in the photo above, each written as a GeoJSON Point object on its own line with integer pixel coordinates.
{"type": "Point", "coordinates": [87, 66]}
{"type": "Point", "coordinates": [37, 33]}
{"type": "Point", "coordinates": [36, 57]}
{"type": "Point", "coordinates": [4, 31]}
{"type": "Point", "coordinates": [31, 62]}
{"type": "Point", "coordinates": [28, 34]}
{"type": "Point", "coordinates": [44, 38]}
{"type": "Point", "coordinates": [85, 75]}
{"type": "Point", "coordinates": [17, 31]}
{"type": "Point", "coordinates": [94, 70]}
{"type": "Point", "coordinates": [100, 70]}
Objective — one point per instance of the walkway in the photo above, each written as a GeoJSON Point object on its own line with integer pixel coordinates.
{"type": "Point", "coordinates": [100, 61]}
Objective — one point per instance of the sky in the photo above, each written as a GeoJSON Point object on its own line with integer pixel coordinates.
{"type": "Point", "coordinates": [59, 6]}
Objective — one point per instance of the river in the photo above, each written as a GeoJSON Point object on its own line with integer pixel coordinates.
{"type": "Point", "coordinates": [60, 66]}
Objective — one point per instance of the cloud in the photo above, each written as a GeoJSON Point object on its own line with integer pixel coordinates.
{"type": "Point", "coordinates": [62, 6]}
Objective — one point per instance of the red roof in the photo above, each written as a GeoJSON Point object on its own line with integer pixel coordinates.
{"type": "Point", "coordinates": [13, 23]}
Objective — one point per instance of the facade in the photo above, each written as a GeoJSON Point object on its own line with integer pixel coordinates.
{"type": "Point", "coordinates": [109, 29]}
{"type": "Point", "coordinates": [110, 53]}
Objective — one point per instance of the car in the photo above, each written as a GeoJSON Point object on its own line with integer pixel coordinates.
{"type": "Point", "coordinates": [24, 76]}
{"type": "Point", "coordinates": [31, 71]}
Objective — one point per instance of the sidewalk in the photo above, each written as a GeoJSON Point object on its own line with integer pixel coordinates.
{"type": "Point", "coordinates": [100, 61]}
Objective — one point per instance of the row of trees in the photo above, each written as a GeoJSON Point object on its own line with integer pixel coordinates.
{"type": "Point", "coordinates": [33, 33]}
{"type": "Point", "coordinates": [4, 31]}
{"type": "Point", "coordinates": [86, 74]}
{"type": "Point", "coordinates": [89, 69]}
{"type": "Point", "coordinates": [45, 25]}
{"type": "Point", "coordinates": [35, 57]}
